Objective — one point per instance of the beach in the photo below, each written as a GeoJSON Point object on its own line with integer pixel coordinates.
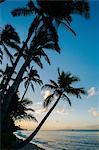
{"type": "Point", "coordinates": [62, 140]}
{"type": "Point", "coordinates": [31, 147]}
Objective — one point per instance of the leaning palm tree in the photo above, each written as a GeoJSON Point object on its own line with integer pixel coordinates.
{"type": "Point", "coordinates": [60, 90]}
{"type": "Point", "coordinates": [81, 8]}
{"type": "Point", "coordinates": [42, 39]}
{"type": "Point", "coordinates": [32, 76]}
{"type": "Point", "coordinates": [9, 38]}
{"type": "Point", "coordinates": [18, 110]}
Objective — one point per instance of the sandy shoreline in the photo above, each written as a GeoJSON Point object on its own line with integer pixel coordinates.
{"type": "Point", "coordinates": [31, 147]}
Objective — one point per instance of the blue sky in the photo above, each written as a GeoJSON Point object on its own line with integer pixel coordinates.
{"type": "Point", "coordinates": [79, 55]}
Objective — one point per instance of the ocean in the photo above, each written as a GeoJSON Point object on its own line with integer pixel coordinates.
{"type": "Point", "coordinates": [64, 140]}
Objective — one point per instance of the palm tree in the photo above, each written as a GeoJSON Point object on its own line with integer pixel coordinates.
{"type": "Point", "coordinates": [32, 76]}
{"type": "Point", "coordinates": [9, 38]}
{"type": "Point", "coordinates": [42, 39]}
{"type": "Point", "coordinates": [60, 11]}
{"type": "Point", "coordinates": [60, 90]}
{"type": "Point", "coordinates": [18, 109]}
{"type": "Point", "coordinates": [73, 8]}
{"type": "Point", "coordinates": [4, 75]}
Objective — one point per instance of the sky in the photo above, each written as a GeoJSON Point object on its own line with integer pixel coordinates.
{"type": "Point", "coordinates": [79, 55]}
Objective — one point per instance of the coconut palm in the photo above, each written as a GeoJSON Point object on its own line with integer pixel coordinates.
{"type": "Point", "coordinates": [60, 11]}
{"type": "Point", "coordinates": [19, 109]}
{"type": "Point", "coordinates": [63, 11]}
{"type": "Point", "coordinates": [42, 39]}
{"type": "Point", "coordinates": [60, 90]}
{"type": "Point", "coordinates": [35, 40]}
{"type": "Point", "coordinates": [9, 38]}
{"type": "Point", "coordinates": [4, 75]}
{"type": "Point", "coordinates": [31, 77]}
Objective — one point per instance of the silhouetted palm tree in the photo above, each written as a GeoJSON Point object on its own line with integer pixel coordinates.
{"type": "Point", "coordinates": [9, 38]}
{"type": "Point", "coordinates": [4, 75]}
{"type": "Point", "coordinates": [63, 11]}
{"type": "Point", "coordinates": [60, 11]}
{"type": "Point", "coordinates": [60, 90]}
{"type": "Point", "coordinates": [30, 5]}
{"type": "Point", "coordinates": [18, 109]}
{"type": "Point", "coordinates": [32, 76]}
{"type": "Point", "coordinates": [42, 39]}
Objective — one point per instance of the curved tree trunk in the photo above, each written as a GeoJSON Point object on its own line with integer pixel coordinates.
{"type": "Point", "coordinates": [25, 92]}
{"type": "Point", "coordinates": [16, 62]}
{"type": "Point", "coordinates": [20, 54]}
{"type": "Point", "coordinates": [25, 142]}
{"type": "Point", "coordinates": [13, 88]}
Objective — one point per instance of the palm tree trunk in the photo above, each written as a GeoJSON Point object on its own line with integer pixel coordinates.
{"type": "Point", "coordinates": [14, 87]}
{"type": "Point", "coordinates": [25, 92]}
{"type": "Point", "coordinates": [25, 142]}
{"type": "Point", "coordinates": [16, 62]}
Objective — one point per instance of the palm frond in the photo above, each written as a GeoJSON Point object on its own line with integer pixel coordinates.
{"type": "Point", "coordinates": [13, 45]}
{"type": "Point", "coordinates": [37, 61]}
{"type": "Point", "coordinates": [25, 11]}
{"type": "Point", "coordinates": [54, 83]}
{"type": "Point", "coordinates": [66, 98]}
{"type": "Point", "coordinates": [48, 86]}
{"type": "Point", "coordinates": [26, 116]}
{"type": "Point", "coordinates": [26, 83]}
{"type": "Point", "coordinates": [26, 102]}
{"type": "Point", "coordinates": [38, 81]}
{"type": "Point", "coordinates": [48, 100]}
{"type": "Point", "coordinates": [1, 56]}
{"type": "Point", "coordinates": [53, 46]}
{"type": "Point", "coordinates": [76, 91]}
{"type": "Point", "coordinates": [41, 53]}
{"type": "Point", "coordinates": [1, 71]}
{"type": "Point", "coordinates": [81, 8]}
{"type": "Point", "coordinates": [29, 109]}
{"type": "Point", "coordinates": [32, 86]}
{"type": "Point", "coordinates": [33, 25]}
{"type": "Point", "coordinates": [8, 53]}
{"type": "Point", "coordinates": [9, 34]}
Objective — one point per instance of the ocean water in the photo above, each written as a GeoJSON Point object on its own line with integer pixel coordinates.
{"type": "Point", "coordinates": [64, 140]}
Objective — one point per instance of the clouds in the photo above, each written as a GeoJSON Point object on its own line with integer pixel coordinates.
{"type": "Point", "coordinates": [45, 93]}
{"type": "Point", "coordinates": [92, 92]}
{"type": "Point", "coordinates": [94, 112]}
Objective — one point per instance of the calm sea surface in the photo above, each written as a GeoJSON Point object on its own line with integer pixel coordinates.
{"type": "Point", "coordinates": [65, 140]}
